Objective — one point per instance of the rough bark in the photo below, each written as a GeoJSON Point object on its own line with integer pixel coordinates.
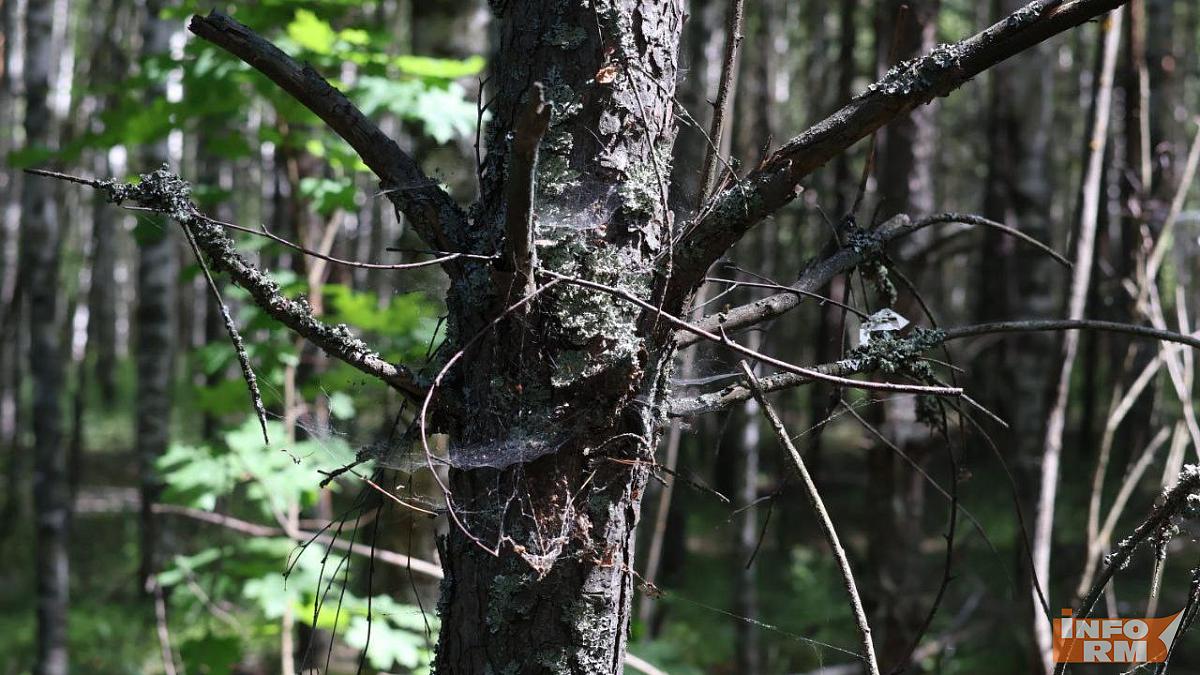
{"type": "Point", "coordinates": [41, 233]}
{"type": "Point", "coordinates": [578, 376]}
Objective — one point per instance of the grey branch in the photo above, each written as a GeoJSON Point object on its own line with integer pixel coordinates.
{"type": "Point", "coordinates": [736, 393]}
{"type": "Point", "coordinates": [1070, 324]}
{"type": "Point", "coordinates": [775, 182]}
{"type": "Point", "coordinates": [724, 341]}
{"type": "Point", "coordinates": [164, 192]}
{"type": "Point", "coordinates": [823, 520]}
{"type": "Point", "coordinates": [426, 204]}
{"type": "Point", "coordinates": [424, 567]}
{"type": "Point", "coordinates": [235, 337]}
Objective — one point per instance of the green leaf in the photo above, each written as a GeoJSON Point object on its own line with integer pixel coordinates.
{"type": "Point", "coordinates": [329, 195]}
{"type": "Point", "coordinates": [310, 32]}
{"type": "Point", "coordinates": [440, 69]}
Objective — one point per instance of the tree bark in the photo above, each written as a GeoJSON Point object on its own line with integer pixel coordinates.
{"type": "Point", "coordinates": [577, 375]}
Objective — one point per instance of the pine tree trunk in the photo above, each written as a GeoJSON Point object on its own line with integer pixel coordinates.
{"type": "Point", "coordinates": [575, 375]}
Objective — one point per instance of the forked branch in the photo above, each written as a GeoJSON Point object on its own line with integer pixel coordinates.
{"type": "Point", "coordinates": [421, 199]}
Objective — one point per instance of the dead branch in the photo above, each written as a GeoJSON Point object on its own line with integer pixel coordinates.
{"type": "Point", "coordinates": [1070, 324]}
{"type": "Point", "coordinates": [420, 198]}
{"type": "Point", "coordinates": [823, 520]}
{"type": "Point", "coordinates": [235, 337]}
{"type": "Point", "coordinates": [775, 182]}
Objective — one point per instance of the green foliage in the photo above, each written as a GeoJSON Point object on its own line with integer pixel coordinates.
{"type": "Point", "coordinates": [249, 573]}
{"type": "Point", "coordinates": [272, 476]}
{"type": "Point", "coordinates": [328, 195]}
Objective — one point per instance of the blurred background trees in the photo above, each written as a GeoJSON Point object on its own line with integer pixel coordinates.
{"type": "Point", "coordinates": [170, 534]}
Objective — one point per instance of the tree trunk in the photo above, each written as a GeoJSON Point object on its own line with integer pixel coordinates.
{"type": "Point", "coordinates": [155, 332]}
{"type": "Point", "coordinates": [574, 377]}
{"type": "Point", "coordinates": [41, 233]}
{"type": "Point", "coordinates": [904, 30]}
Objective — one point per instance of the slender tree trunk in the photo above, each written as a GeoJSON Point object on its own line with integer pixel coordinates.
{"type": "Point", "coordinates": [904, 30]}
{"type": "Point", "coordinates": [574, 374]}
{"type": "Point", "coordinates": [1080, 282]}
{"type": "Point", "coordinates": [41, 234]}
{"type": "Point", "coordinates": [155, 333]}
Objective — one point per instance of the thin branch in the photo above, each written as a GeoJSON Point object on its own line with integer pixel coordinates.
{"type": "Point", "coordinates": [823, 520]}
{"type": "Point", "coordinates": [736, 393]}
{"type": "Point", "coordinates": [758, 356]}
{"type": "Point", "coordinates": [1177, 202]}
{"type": "Point", "coordinates": [235, 337]}
{"type": "Point", "coordinates": [733, 42]}
{"type": "Point", "coordinates": [969, 219]}
{"type": "Point", "coordinates": [164, 192]}
{"type": "Point", "coordinates": [775, 182]}
{"type": "Point", "coordinates": [739, 392]}
{"type": "Point", "coordinates": [419, 197]}
{"type": "Point", "coordinates": [821, 299]}
{"type": "Point", "coordinates": [424, 567]}
{"type": "Point", "coordinates": [264, 232]}
{"type": "Point", "coordinates": [1070, 324]}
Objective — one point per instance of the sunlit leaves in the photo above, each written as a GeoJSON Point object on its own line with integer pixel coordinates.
{"type": "Point", "coordinates": [269, 477]}
{"type": "Point", "coordinates": [311, 32]}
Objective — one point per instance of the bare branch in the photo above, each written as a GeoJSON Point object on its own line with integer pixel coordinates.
{"type": "Point", "coordinates": [1070, 324]}
{"type": "Point", "coordinates": [716, 131]}
{"type": "Point", "coordinates": [235, 337]}
{"type": "Point", "coordinates": [736, 393]}
{"type": "Point", "coordinates": [758, 356]}
{"type": "Point", "coordinates": [164, 192]}
{"type": "Point", "coordinates": [420, 198]}
{"type": "Point", "coordinates": [429, 569]}
{"type": "Point", "coordinates": [775, 182]}
{"type": "Point", "coordinates": [823, 520]}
